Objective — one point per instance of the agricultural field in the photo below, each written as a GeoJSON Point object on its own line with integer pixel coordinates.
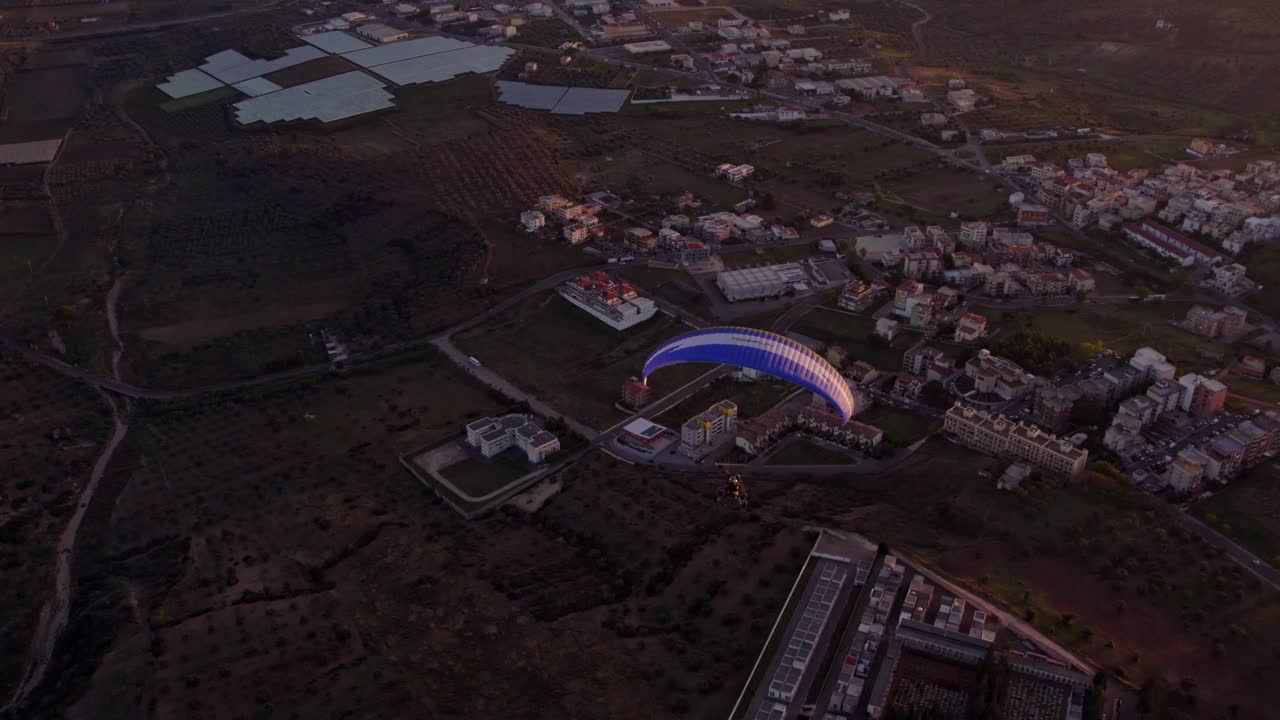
{"type": "Point", "coordinates": [1123, 155]}
{"type": "Point", "coordinates": [272, 545]}
{"type": "Point", "coordinates": [681, 17]}
{"type": "Point", "coordinates": [941, 191]}
{"type": "Point", "coordinates": [565, 356]}
{"type": "Point", "coordinates": [853, 333]}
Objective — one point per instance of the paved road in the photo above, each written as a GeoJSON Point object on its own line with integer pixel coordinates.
{"type": "Point", "coordinates": [508, 388]}
{"type": "Point", "coordinates": [1263, 570]}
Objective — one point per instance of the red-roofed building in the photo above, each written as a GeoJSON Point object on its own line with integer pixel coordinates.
{"type": "Point", "coordinates": [971, 328]}
{"type": "Point", "coordinates": [1171, 243]}
{"type": "Point", "coordinates": [635, 393]}
{"type": "Point", "coordinates": [1081, 280]}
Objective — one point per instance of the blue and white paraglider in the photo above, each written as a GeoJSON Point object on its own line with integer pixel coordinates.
{"type": "Point", "coordinates": [761, 350]}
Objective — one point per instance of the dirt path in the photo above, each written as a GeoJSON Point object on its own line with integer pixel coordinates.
{"type": "Point", "coordinates": [54, 615]}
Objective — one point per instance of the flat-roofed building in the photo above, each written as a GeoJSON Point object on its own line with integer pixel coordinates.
{"type": "Point", "coordinates": [751, 283]}
{"type": "Point", "coordinates": [997, 435]}
{"type": "Point", "coordinates": [994, 374]}
{"type": "Point", "coordinates": [493, 435]}
{"type": "Point", "coordinates": [700, 432]}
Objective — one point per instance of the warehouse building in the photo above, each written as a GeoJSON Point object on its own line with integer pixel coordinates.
{"type": "Point", "coordinates": [751, 283]}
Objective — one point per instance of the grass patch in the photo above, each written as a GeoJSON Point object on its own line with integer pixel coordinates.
{"type": "Point", "coordinates": [1263, 261]}
{"type": "Point", "coordinates": [753, 398]}
{"type": "Point", "coordinates": [1248, 511]}
{"type": "Point", "coordinates": [1255, 389]}
{"type": "Point", "coordinates": [548, 33]}
{"type": "Point", "coordinates": [477, 477]}
{"type": "Point", "coordinates": [20, 255]}
{"type": "Point", "coordinates": [900, 427]}
{"type": "Point", "coordinates": [767, 256]}
{"type": "Point", "coordinates": [565, 356]}
{"type": "Point", "coordinates": [209, 97]}
{"type": "Point", "coordinates": [851, 332]}
{"type": "Point", "coordinates": [1123, 328]}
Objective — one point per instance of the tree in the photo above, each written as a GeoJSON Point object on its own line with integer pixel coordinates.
{"type": "Point", "coordinates": [935, 393]}
{"type": "Point", "coordinates": [1095, 706]}
{"type": "Point", "coordinates": [1153, 703]}
{"type": "Point", "coordinates": [767, 201]}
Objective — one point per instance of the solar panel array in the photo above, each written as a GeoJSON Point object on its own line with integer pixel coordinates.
{"type": "Point", "coordinates": [801, 644]}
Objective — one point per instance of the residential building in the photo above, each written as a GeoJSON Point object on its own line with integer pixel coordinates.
{"type": "Point", "coordinates": [916, 361]}
{"type": "Point", "coordinates": [493, 435]}
{"type": "Point", "coordinates": [636, 393]}
{"type": "Point", "coordinates": [1230, 280]}
{"type": "Point", "coordinates": [1187, 470]}
{"type": "Point", "coordinates": [1052, 406]}
{"type": "Point", "coordinates": [1166, 394]}
{"type": "Point", "coordinates": [695, 253]}
{"type": "Point", "coordinates": [862, 372]}
{"type": "Point", "coordinates": [610, 301]}
{"type": "Point", "coordinates": [856, 296]}
{"type": "Point", "coordinates": [735, 173]}
{"type": "Point", "coordinates": [704, 430]}
{"type": "Point", "coordinates": [1152, 364]}
{"type": "Point", "coordinates": [533, 220]}
{"type": "Point", "coordinates": [908, 386]}
{"type": "Point", "coordinates": [1033, 215]}
{"type": "Point", "coordinates": [997, 435]}
{"type": "Point", "coordinates": [924, 264]}
{"type": "Point", "coordinates": [970, 328]}
{"type": "Point", "coordinates": [997, 375]}
{"type": "Point", "coordinates": [1202, 397]}
{"type": "Point", "coordinates": [887, 328]}
{"type": "Point", "coordinates": [1081, 281]}
{"type": "Point", "coordinates": [760, 433]}
{"type": "Point", "coordinates": [973, 235]}
{"type": "Point", "coordinates": [1252, 366]}
{"type": "Point", "coordinates": [1170, 243]}
{"type": "Point", "coordinates": [576, 233]}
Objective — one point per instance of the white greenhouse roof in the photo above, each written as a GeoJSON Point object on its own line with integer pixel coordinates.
{"type": "Point", "coordinates": [445, 65]}
{"type": "Point", "coordinates": [560, 99]}
{"type": "Point", "coordinates": [579, 101]}
{"type": "Point", "coordinates": [336, 42]}
{"type": "Point", "coordinates": [187, 83]}
{"type": "Point", "coordinates": [534, 97]}
{"type": "Point", "coordinates": [224, 66]}
{"type": "Point", "coordinates": [253, 87]}
{"type": "Point", "coordinates": [327, 100]}
{"type": "Point", "coordinates": [403, 50]}
{"type": "Point", "coordinates": [26, 153]}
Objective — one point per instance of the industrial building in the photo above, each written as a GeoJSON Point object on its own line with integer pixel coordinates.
{"type": "Point", "coordinates": [751, 283]}
{"type": "Point", "coordinates": [612, 302]}
{"type": "Point", "coordinates": [493, 435]}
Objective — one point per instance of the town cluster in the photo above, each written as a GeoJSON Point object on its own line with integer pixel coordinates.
{"type": "Point", "coordinates": [1176, 213]}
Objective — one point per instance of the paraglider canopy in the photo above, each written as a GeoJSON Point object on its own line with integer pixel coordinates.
{"type": "Point", "coordinates": [761, 350]}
